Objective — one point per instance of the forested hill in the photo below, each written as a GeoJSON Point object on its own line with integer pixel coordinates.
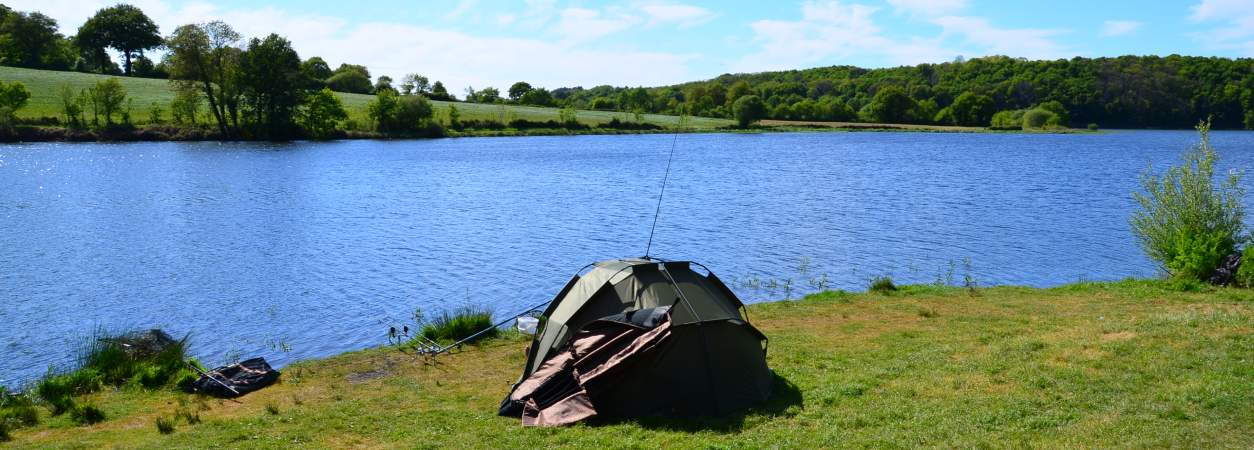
{"type": "Point", "coordinates": [1124, 92]}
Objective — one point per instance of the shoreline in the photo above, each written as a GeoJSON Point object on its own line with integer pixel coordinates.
{"type": "Point", "coordinates": [159, 133]}
{"type": "Point", "coordinates": [877, 359]}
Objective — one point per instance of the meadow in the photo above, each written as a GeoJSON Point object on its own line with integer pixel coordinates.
{"type": "Point", "coordinates": [1138, 363]}
{"type": "Point", "coordinates": [46, 85]}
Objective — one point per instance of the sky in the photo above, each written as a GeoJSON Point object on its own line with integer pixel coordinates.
{"type": "Point", "coordinates": [554, 43]}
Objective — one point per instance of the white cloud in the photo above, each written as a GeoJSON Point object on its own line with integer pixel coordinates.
{"type": "Point", "coordinates": [580, 24]}
{"type": "Point", "coordinates": [1236, 29]}
{"type": "Point", "coordinates": [1031, 43]}
{"type": "Point", "coordinates": [1119, 27]}
{"type": "Point", "coordinates": [680, 14]}
{"type": "Point", "coordinates": [928, 8]}
{"type": "Point", "coordinates": [831, 30]}
{"type": "Point", "coordinates": [459, 59]}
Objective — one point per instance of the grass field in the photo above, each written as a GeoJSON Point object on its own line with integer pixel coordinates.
{"type": "Point", "coordinates": [1094, 365]}
{"type": "Point", "coordinates": [45, 87]}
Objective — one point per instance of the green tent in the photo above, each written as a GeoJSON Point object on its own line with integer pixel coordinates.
{"type": "Point", "coordinates": [635, 337]}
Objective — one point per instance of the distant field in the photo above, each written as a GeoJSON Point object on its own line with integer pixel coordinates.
{"type": "Point", "coordinates": [45, 87]}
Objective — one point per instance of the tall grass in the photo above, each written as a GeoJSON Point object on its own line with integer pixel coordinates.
{"type": "Point", "coordinates": [459, 325]}
{"type": "Point", "coordinates": [1188, 222]}
{"type": "Point", "coordinates": [144, 359]}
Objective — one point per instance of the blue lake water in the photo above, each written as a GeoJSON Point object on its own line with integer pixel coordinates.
{"type": "Point", "coordinates": [301, 250]}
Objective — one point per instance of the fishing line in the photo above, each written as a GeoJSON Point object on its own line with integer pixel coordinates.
{"type": "Point", "coordinates": [659, 195]}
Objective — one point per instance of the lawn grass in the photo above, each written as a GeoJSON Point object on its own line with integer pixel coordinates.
{"type": "Point", "coordinates": [45, 87]}
{"type": "Point", "coordinates": [1128, 364]}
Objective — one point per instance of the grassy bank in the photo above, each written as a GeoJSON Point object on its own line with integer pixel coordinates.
{"type": "Point", "coordinates": [1129, 364]}
{"type": "Point", "coordinates": [45, 87]}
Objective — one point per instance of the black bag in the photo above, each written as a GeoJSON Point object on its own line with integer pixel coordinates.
{"type": "Point", "coordinates": [244, 376]}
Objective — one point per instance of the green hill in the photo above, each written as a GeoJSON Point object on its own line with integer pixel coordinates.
{"type": "Point", "coordinates": [45, 87]}
{"type": "Point", "coordinates": [1132, 364]}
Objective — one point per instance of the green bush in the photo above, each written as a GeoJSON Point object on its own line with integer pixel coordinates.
{"type": "Point", "coordinates": [17, 410]}
{"type": "Point", "coordinates": [1245, 273]}
{"type": "Point", "coordinates": [1039, 118]}
{"type": "Point", "coordinates": [58, 392]}
{"type": "Point", "coordinates": [1007, 120]}
{"type": "Point", "coordinates": [87, 415]}
{"type": "Point", "coordinates": [1092, 127]}
{"type": "Point", "coordinates": [1186, 222]}
{"type": "Point", "coordinates": [461, 324]}
{"type": "Point", "coordinates": [882, 285]}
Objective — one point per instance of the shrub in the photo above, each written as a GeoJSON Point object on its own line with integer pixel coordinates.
{"type": "Point", "coordinates": [1007, 120]}
{"type": "Point", "coordinates": [1245, 274]}
{"type": "Point", "coordinates": [882, 285]}
{"type": "Point", "coordinates": [1039, 118]}
{"type": "Point", "coordinates": [87, 415]}
{"type": "Point", "coordinates": [1092, 127]}
{"type": "Point", "coordinates": [460, 325]}
{"type": "Point", "coordinates": [56, 391]}
{"type": "Point", "coordinates": [164, 425]}
{"type": "Point", "coordinates": [1186, 222]}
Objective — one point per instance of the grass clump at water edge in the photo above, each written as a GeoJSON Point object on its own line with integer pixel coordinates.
{"type": "Point", "coordinates": [460, 324]}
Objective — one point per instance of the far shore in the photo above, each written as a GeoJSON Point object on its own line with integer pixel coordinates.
{"type": "Point", "coordinates": [165, 133]}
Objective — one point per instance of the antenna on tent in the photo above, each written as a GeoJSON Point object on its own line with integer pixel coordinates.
{"type": "Point", "coordinates": [660, 194]}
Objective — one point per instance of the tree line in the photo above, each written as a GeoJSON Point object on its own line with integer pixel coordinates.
{"type": "Point", "coordinates": [259, 87]}
{"type": "Point", "coordinates": [1125, 92]}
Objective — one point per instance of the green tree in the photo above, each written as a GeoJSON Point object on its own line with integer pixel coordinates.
{"type": "Point", "coordinates": [316, 68]}
{"type": "Point", "coordinates": [454, 117]}
{"type": "Point", "coordinates": [204, 57]}
{"type": "Point", "coordinates": [185, 106]}
{"type": "Point", "coordinates": [72, 103]}
{"type": "Point", "coordinates": [517, 90]}
{"type": "Point", "coordinates": [13, 96]}
{"type": "Point", "coordinates": [31, 40]}
{"type": "Point", "coordinates": [738, 89]}
{"type": "Point", "coordinates": [892, 105]}
{"type": "Point", "coordinates": [603, 104]}
{"type": "Point", "coordinates": [321, 113]}
{"type": "Point", "coordinates": [351, 81]}
{"type": "Point", "coordinates": [384, 82]}
{"type": "Point", "coordinates": [124, 28]}
{"type": "Point", "coordinates": [1187, 222]}
{"type": "Point", "coordinates": [1054, 106]}
{"type": "Point", "coordinates": [272, 87]}
{"type": "Point", "coordinates": [382, 110]}
{"type": "Point", "coordinates": [973, 110]}
{"type": "Point", "coordinates": [536, 97]}
{"type": "Point", "coordinates": [439, 92]}
{"type": "Point", "coordinates": [415, 84]}
{"type": "Point", "coordinates": [748, 109]}
{"type": "Point", "coordinates": [107, 97]}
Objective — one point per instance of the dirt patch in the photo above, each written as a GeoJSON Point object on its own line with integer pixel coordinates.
{"type": "Point", "coordinates": [1119, 336]}
{"type": "Point", "coordinates": [362, 377]}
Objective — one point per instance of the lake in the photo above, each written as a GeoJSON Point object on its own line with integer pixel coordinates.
{"type": "Point", "coordinates": [302, 250]}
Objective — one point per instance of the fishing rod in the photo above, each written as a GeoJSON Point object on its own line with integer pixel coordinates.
{"type": "Point", "coordinates": [485, 330]}
{"type": "Point", "coordinates": [211, 377]}
{"type": "Point", "coordinates": [665, 177]}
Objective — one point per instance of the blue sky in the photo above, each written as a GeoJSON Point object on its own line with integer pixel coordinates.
{"type": "Point", "coordinates": [556, 43]}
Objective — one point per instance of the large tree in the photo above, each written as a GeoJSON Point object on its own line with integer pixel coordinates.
{"type": "Point", "coordinates": [892, 105]}
{"type": "Point", "coordinates": [124, 28]}
{"type": "Point", "coordinates": [517, 90]}
{"type": "Point", "coordinates": [204, 55]}
{"type": "Point", "coordinates": [31, 40]}
{"type": "Point", "coordinates": [272, 85]}
{"type": "Point", "coordinates": [748, 109]}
